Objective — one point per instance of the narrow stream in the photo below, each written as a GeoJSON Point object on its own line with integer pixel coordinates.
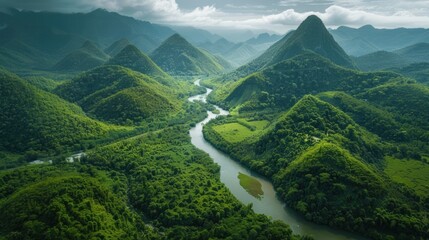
{"type": "Point", "coordinates": [269, 204]}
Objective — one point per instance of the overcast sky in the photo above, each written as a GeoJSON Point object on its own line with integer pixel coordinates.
{"type": "Point", "coordinates": [257, 15]}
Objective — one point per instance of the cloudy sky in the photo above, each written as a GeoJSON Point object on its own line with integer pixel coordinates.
{"type": "Point", "coordinates": [269, 15]}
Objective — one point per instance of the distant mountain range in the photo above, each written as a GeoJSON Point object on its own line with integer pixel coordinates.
{"type": "Point", "coordinates": [417, 53]}
{"type": "Point", "coordinates": [367, 39]}
{"type": "Point", "coordinates": [86, 57]}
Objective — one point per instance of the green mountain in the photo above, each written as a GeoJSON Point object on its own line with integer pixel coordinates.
{"type": "Point", "coordinates": [310, 37]}
{"type": "Point", "coordinates": [34, 119]}
{"type": "Point", "coordinates": [117, 47]}
{"type": "Point", "coordinates": [408, 101]}
{"type": "Point", "coordinates": [323, 121]}
{"type": "Point", "coordinates": [377, 120]}
{"type": "Point", "coordinates": [120, 95]}
{"type": "Point", "coordinates": [87, 57]}
{"type": "Point", "coordinates": [131, 57]}
{"type": "Point", "coordinates": [64, 207]}
{"type": "Point", "coordinates": [178, 57]}
{"type": "Point", "coordinates": [398, 59]}
{"type": "Point", "coordinates": [417, 53]}
{"type": "Point", "coordinates": [380, 60]}
{"type": "Point", "coordinates": [280, 85]}
{"type": "Point", "coordinates": [326, 166]}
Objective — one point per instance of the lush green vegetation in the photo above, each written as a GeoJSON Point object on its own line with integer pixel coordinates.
{"type": "Point", "coordinates": [233, 132]}
{"type": "Point", "coordinates": [178, 189]}
{"type": "Point", "coordinates": [344, 148]}
{"type": "Point", "coordinates": [73, 202]}
{"type": "Point", "coordinates": [252, 185]}
{"type": "Point", "coordinates": [120, 95]}
{"type": "Point", "coordinates": [43, 83]}
{"type": "Point", "coordinates": [374, 119]}
{"type": "Point", "coordinates": [327, 167]}
{"type": "Point", "coordinates": [178, 57]}
{"type": "Point", "coordinates": [281, 85]}
{"type": "Point", "coordinates": [310, 37]}
{"type": "Point", "coordinates": [32, 119]}
{"type": "Point", "coordinates": [131, 57]}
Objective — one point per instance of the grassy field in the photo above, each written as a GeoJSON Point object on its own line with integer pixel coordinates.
{"type": "Point", "coordinates": [412, 173]}
{"type": "Point", "coordinates": [251, 185]}
{"type": "Point", "coordinates": [240, 130]}
{"type": "Point", "coordinates": [257, 125]}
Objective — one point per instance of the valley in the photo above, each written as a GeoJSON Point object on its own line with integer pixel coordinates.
{"type": "Point", "coordinates": [114, 127]}
{"type": "Point", "coordinates": [267, 203]}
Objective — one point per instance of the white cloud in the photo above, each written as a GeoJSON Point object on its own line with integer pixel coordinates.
{"type": "Point", "coordinates": [355, 13]}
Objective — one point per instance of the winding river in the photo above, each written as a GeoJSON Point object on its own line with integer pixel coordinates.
{"type": "Point", "coordinates": [269, 204]}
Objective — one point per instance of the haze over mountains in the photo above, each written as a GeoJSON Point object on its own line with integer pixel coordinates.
{"type": "Point", "coordinates": [98, 132]}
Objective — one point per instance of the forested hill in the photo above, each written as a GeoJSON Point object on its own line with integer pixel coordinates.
{"type": "Point", "coordinates": [310, 37]}
{"type": "Point", "coordinates": [38, 120]}
{"type": "Point", "coordinates": [178, 57]}
{"type": "Point", "coordinates": [117, 94]}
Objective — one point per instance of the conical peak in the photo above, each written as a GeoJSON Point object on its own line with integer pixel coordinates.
{"type": "Point", "coordinates": [176, 37]}
{"type": "Point", "coordinates": [311, 22]}
{"type": "Point", "coordinates": [130, 48]}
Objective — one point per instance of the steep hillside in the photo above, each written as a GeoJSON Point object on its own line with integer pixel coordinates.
{"type": "Point", "coordinates": [34, 119]}
{"type": "Point", "coordinates": [119, 95]}
{"type": "Point", "coordinates": [375, 119]}
{"type": "Point", "coordinates": [310, 37]}
{"type": "Point", "coordinates": [326, 166]}
{"type": "Point", "coordinates": [409, 101]}
{"type": "Point", "coordinates": [282, 84]}
{"type": "Point", "coordinates": [87, 57]}
{"type": "Point", "coordinates": [178, 57]}
{"type": "Point", "coordinates": [117, 47]}
{"type": "Point", "coordinates": [131, 57]}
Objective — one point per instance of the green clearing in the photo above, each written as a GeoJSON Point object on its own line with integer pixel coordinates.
{"type": "Point", "coordinates": [251, 185]}
{"type": "Point", "coordinates": [233, 132]}
{"type": "Point", "coordinates": [240, 130]}
{"type": "Point", "coordinates": [412, 173]}
{"type": "Point", "coordinates": [257, 125]}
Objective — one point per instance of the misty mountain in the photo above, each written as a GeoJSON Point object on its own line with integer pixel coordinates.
{"type": "Point", "coordinates": [367, 39]}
